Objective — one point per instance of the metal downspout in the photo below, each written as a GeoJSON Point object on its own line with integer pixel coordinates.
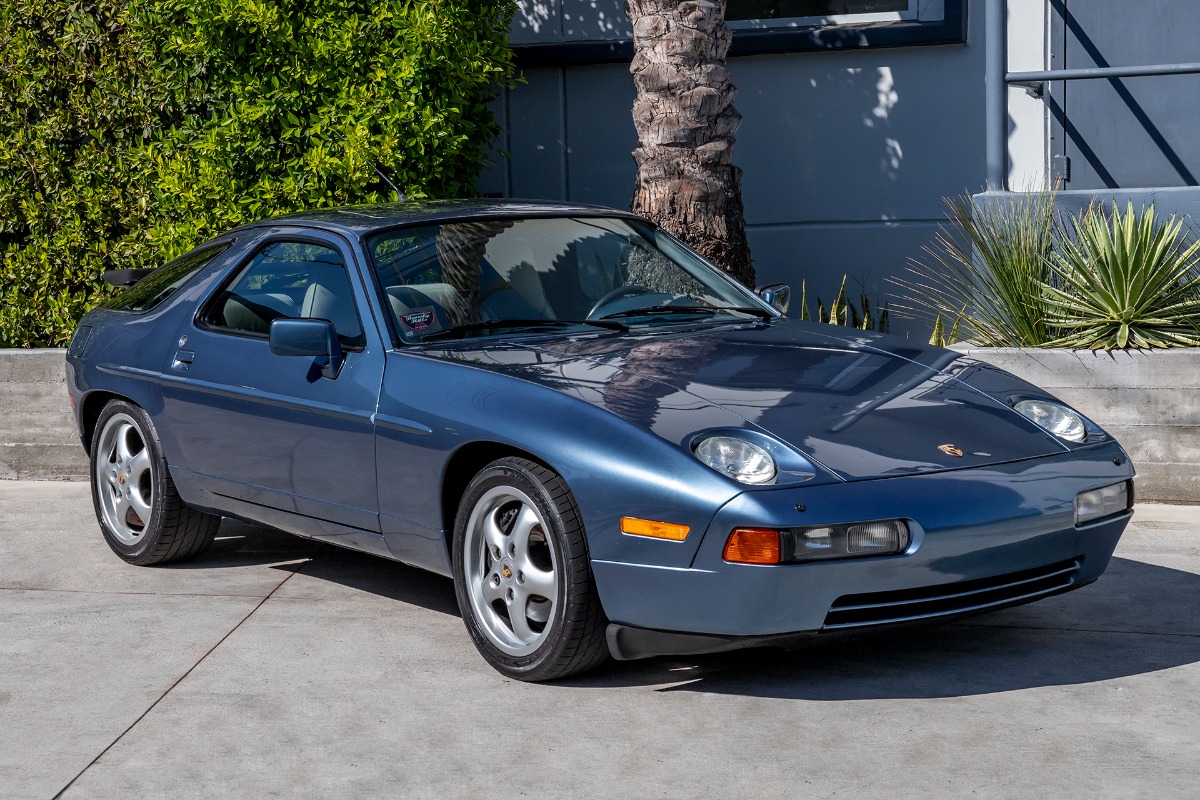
{"type": "Point", "coordinates": [996, 93]}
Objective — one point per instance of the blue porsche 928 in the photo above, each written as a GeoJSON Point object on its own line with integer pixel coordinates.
{"type": "Point", "coordinates": [611, 447]}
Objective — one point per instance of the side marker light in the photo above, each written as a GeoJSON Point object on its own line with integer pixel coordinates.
{"type": "Point", "coordinates": [656, 530]}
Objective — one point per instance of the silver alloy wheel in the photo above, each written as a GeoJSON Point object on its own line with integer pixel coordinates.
{"type": "Point", "coordinates": [124, 475]}
{"type": "Point", "coordinates": [510, 570]}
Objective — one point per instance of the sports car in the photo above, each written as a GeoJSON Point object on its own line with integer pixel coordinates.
{"type": "Point", "coordinates": [610, 446]}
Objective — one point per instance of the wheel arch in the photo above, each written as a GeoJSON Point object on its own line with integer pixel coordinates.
{"type": "Point", "coordinates": [464, 464]}
{"type": "Point", "coordinates": [90, 407]}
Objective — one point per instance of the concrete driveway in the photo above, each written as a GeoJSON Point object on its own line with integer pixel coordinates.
{"type": "Point", "coordinates": [274, 667]}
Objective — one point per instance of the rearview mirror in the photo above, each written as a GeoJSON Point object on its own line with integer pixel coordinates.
{"type": "Point", "coordinates": [777, 295]}
{"type": "Point", "coordinates": [308, 337]}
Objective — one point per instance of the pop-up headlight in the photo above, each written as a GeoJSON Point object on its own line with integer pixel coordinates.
{"type": "Point", "coordinates": [1053, 418]}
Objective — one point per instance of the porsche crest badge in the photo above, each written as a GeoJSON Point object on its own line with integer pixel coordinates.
{"type": "Point", "coordinates": [951, 450]}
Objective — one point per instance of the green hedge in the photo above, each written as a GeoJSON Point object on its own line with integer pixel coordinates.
{"type": "Point", "coordinates": [133, 130]}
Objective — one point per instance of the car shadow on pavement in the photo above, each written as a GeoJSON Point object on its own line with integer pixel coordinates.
{"type": "Point", "coordinates": [245, 544]}
{"type": "Point", "coordinates": [1138, 618]}
{"type": "Point", "coordinates": [248, 544]}
{"type": "Point", "coordinates": [380, 576]}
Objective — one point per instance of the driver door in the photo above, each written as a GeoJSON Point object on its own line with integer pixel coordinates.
{"type": "Point", "coordinates": [269, 430]}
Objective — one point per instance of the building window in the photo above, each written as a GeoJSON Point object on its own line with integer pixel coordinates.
{"type": "Point", "coordinates": [751, 14]}
{"type": "Point", "coordinates": [759, 27]}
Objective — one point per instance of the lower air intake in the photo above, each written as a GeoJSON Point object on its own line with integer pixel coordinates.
{"type": "Point", "coordinates": [908, 605]}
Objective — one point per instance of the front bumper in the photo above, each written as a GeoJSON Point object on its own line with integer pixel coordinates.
{"type": "Point", "coordinates": [983, 538]}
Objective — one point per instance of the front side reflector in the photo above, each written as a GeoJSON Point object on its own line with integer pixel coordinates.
{"type": "Point", "coordinates": [656, 530]}
{"type": "Point", "coordinates": [1102, 502]}
{"type": "Point", "coordinates": [752, 546]}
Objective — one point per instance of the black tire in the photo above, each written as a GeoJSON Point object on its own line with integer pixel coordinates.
{"type": "Point", "coordinates": [571, 639]}
{"type": "Point", "coordinates": [174, 530]}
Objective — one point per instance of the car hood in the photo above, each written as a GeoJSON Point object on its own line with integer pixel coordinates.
{"type": "Point", "coordinates": [862, 405]}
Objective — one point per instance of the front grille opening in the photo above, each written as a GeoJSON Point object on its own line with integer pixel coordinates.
{"type": "Point", "coordinates": [881, 608]}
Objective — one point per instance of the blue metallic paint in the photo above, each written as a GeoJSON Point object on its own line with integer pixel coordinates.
{"type": "Point", "coordinates": [971, 524]}
{"type": "Point", "coordinates": [358, 460]}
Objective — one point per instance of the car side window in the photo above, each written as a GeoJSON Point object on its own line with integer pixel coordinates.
{"type": "Point", "coordinates": [164, 281]}
{"type": "Point", "coordinates": [289, 279]}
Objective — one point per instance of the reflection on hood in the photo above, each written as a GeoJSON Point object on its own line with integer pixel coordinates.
{"type": "Point", "coordinates": [865, 406]}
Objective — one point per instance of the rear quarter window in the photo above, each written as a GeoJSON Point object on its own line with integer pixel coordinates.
{"type": "Point", "coordinates": [164, 281]}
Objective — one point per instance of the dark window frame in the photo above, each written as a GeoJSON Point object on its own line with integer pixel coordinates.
{"type": "Point", "coordinates": [951, 29]}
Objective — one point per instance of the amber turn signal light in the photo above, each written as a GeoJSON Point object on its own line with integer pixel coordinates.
{"type": "Point", "coordinates": [752, 546]}
{"type": "Point", "coordinates": [657, 530]}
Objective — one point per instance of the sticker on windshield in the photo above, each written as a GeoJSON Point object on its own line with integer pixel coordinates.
{"type": "Point", "coordinates": [418, 319]}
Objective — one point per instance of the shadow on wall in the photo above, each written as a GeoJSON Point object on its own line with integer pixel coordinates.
{"type": "Point", "coordinates": [830, 184]}
{"type": "Point", "coordinates": [580, 19]}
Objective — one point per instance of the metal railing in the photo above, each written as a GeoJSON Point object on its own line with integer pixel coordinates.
{"type": "Point", "coordinates": [997, 79]}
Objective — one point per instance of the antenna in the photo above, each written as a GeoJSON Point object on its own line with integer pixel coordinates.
{"type": "Point", "coordinates": [400, 196]}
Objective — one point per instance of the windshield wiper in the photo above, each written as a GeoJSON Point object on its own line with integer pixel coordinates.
{"type": "Point", "coordinates": [761, 313]}
{"type": "Point", "coordinates": [522, 324]}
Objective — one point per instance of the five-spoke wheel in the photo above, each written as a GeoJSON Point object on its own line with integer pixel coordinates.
{"type": "Point", "coordinates": [510, 571]}
{"type": "Point", "coordinates": [522, 573]}
{"type": "Point", "coordinates": [143, 518]}
{"type": "Point", "coordinates": [124, 473]}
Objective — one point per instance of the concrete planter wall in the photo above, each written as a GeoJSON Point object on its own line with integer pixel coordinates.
{"type": "Point", "coordinates": [1149, 400]}
{"type": "Point", "coordinates": [37, 432]}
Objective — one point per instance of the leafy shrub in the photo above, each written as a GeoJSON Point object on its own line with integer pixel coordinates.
{"type": "Point", "coordinates": [132, 130]}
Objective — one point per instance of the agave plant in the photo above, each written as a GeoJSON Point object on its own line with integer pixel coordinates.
{"type": "Point", "coordinates": [1127, 280]}
{"type": "Point", "coordinates": [988, 270]}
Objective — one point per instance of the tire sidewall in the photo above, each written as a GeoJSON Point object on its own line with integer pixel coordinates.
{"type": "Point", "coordinates": [154, 526]}
{"type": "Point", "coordinates": [507, 473]}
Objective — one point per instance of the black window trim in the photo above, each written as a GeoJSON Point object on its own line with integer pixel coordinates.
{"type": "Point", "coordinates": [200, 319]}
{"type": "Point", "coordinates": [951, 29]}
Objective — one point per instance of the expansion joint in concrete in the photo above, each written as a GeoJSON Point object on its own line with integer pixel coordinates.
{"type": "Point", "coordinates": [180, 680]}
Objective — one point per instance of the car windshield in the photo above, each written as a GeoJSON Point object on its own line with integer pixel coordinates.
{"type": "Point", "coordinates": [539, 275]}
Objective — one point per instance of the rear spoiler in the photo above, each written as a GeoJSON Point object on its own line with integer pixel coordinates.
{"type": "Point", "coordinates": [122, 278]}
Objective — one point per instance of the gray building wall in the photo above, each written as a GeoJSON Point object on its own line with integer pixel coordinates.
{"type": "Point", "coordinates": [846, 155]}
{"type": "Point", "coordinates": [1134, 132]}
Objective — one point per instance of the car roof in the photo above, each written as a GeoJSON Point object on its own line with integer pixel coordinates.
{"type": "Point", "coordinates": [363, 220]}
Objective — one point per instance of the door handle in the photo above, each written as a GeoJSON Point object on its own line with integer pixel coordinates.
{"type": "Point", "coordinates": [183, 360]}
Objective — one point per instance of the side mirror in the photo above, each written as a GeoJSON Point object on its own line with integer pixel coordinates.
{"type": "Point", "coordinates": [777, 295]}
{"type": "Point", "coordinates": [308, 337]}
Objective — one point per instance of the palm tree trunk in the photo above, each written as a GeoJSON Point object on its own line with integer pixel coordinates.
{"type": "Point", "coordinates": [686, 122]}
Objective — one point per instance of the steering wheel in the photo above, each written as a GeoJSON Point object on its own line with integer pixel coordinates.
{"type": "Point", "coordinates": [616, 294]}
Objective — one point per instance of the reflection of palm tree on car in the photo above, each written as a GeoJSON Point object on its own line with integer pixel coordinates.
{"type": "Point", "coordinates": [460, 249]}
{"type": "Point", "coordinates": [589, 268]}
{"type": "Point", "coordinates": [645, 378]}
